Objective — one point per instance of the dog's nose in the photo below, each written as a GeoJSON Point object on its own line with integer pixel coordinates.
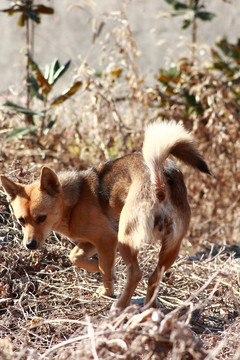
{"type": "Point", "coordinates": [32, 244]}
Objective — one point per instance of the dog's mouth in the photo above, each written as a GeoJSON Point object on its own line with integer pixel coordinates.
{"type": "Point", "coordinates": [32, 244]}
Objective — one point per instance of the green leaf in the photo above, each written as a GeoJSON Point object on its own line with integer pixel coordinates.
{"type": "Point", "coordinates": [177, 5]}
{"type": "Point", "coordinates": [171, 2]}
{"type": "Point", "coordinates": [21, 131]}
{"type": "Point", "coordinates": [33, 15]}
{"type": "Point", "coordinates": [50, 70]}
{"type": "Point", "coordinates": [98, 73]}
{"type": "Point", "coordinates": [33, 64]}
{"type": "Point", "coordinates": [50, 125]}
{"type": "Point", "coordinates": [180, 6]}
{"type": "Point", "coordinates": [224, 67]}
{"type": "Point", "coordinates": [172, 71]}
{"type": "Point", "coordinates": [191, 101]}
{"type": "Point", "coordinates": [204, 15]}
{"type": "Point", "coordinates": [54, 71]}
{"type": "Point", "coordinates": [61, 71]}
{"type": "Point", "coordinates": [19, 108]}
{"type": "Point", "coordinates": [60, 99]}
{"type": "Point", "coordinates": [186, 23]}
{"type": "Point", "coordinates": [170, 75]}
{"type": "Point", "coordinates": [188, 18]}
{"type": "Point", "coordinates": [34, 88]}
{"type": "Point", "coordinates": [225, 46]}
{"type": "Point", "coordinates": [230, 50]}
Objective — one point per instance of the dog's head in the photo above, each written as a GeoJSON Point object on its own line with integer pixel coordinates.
{"type": "Point", "coordinates": [38, 207]}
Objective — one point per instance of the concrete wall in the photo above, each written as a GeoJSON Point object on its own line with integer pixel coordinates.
{"type": "Point", "coordinates": [68, 35]}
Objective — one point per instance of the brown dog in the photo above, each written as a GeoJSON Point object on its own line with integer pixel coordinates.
{"type": "Point", "coordinates": [119, 203]}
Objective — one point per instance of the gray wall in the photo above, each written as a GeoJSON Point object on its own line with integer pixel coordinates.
{"type": "Point", "coordinates": [68, 35]}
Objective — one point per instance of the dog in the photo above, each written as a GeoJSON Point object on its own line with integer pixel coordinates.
{"type": "Point", "coordinates": [120, 203]}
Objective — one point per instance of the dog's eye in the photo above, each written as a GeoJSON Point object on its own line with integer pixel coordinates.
{"type": "Point", "coordinates": [41, 218]}
{"type": "Point", "coordinates": [22, 221]}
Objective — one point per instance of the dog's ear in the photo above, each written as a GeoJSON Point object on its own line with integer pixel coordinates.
{"type": "Point", "coordinates": [11, 188]}
{"type": "Point", "coordinates": [49, 181]}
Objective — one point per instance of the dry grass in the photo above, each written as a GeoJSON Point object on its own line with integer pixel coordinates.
{"type": "Point", "coordinates": [48, 308]}
{"type": "Point", "coordinates": [51, 310]}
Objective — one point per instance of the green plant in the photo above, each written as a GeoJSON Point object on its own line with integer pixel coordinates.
{"type": "Point", "coordinates": [175, 87]}
{"type": "Point", "coordinates": [29, 16]}
{"type": "Point", "coordinates": [38, 84]}
{"type": "Point", "coordinates": [41, 85]}
{"type": "Point", "coordinates": [228, 63]}
{"type": "Point", "coordinates": [192, 11]}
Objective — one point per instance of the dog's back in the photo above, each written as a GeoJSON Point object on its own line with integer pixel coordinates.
{"type": "Point", "coordinates": [111, 181]}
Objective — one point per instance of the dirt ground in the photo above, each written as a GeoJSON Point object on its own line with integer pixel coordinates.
{"type": "Point", "coordinates": [50, 310]}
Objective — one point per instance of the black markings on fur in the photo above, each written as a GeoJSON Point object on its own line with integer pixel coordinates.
{"type": "Point", "coordinates": [160, 190]}
{"type": "Point", "coordinates": [103, 185]}
{"type": "Point", "coordinates": [158, 223]}
{"type": "Point", "coordinates": [163, 223]}
{"type": "Point", "coordinates": [176, 186]}
{"type": "Point", "coordinates": [110, 173]}
{"type": "Point", "coordinates": [186, 152]}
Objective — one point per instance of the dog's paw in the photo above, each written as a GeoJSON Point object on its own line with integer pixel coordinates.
{"type": "Point", "coordinates": [115, 307]}
{"type": "Point", "coordinates": [154, 304]}
{"type": "Point", "coordinates": [101, 290]}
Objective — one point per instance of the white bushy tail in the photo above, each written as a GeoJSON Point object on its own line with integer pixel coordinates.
{"type": "Point", "coordinates": [168, 137]}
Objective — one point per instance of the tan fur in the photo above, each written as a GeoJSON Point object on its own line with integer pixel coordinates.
{"type": "Point", "coordinates": [119, 203]}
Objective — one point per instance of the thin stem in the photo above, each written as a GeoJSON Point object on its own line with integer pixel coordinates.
{"type": "Point", "coordinates": [194, 40]}
{"type": "Point", "coordinates": [28, 117]}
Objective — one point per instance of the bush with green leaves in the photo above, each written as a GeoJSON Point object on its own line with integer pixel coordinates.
{"type": "Point", "coordinates": [41, 85]}
{"type": "Point", "coordinates": [227, 63]}
{"type": "Point", "coordinates": [38, 84]}
{"type": "Point", "coordinates": [192, 11]}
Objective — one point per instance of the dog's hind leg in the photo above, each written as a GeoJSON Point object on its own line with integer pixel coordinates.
{"type": "Point", "coordinates": [81, 256]}
{"type": "Point", "coordinates": [135, 225]}
{"type": "Point", "coordinates": [167, 256]}
{"type": "Point", "coordinates": [134, 274]}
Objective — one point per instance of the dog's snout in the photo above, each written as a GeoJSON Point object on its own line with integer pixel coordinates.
{"type": "Point", "coordinates": [32, 244]}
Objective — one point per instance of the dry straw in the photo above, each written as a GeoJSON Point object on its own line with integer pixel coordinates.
{"type": "Point", "coordinates": [51, 310]}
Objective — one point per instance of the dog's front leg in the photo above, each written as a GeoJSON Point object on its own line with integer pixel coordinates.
{"type": "Point", "coordinates": [106, 254]}
{"type": "Point", "coordinates": [81, 257]}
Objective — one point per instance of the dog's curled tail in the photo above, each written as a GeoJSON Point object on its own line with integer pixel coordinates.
{"type": "Point", "coordinates": [163, 138]}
